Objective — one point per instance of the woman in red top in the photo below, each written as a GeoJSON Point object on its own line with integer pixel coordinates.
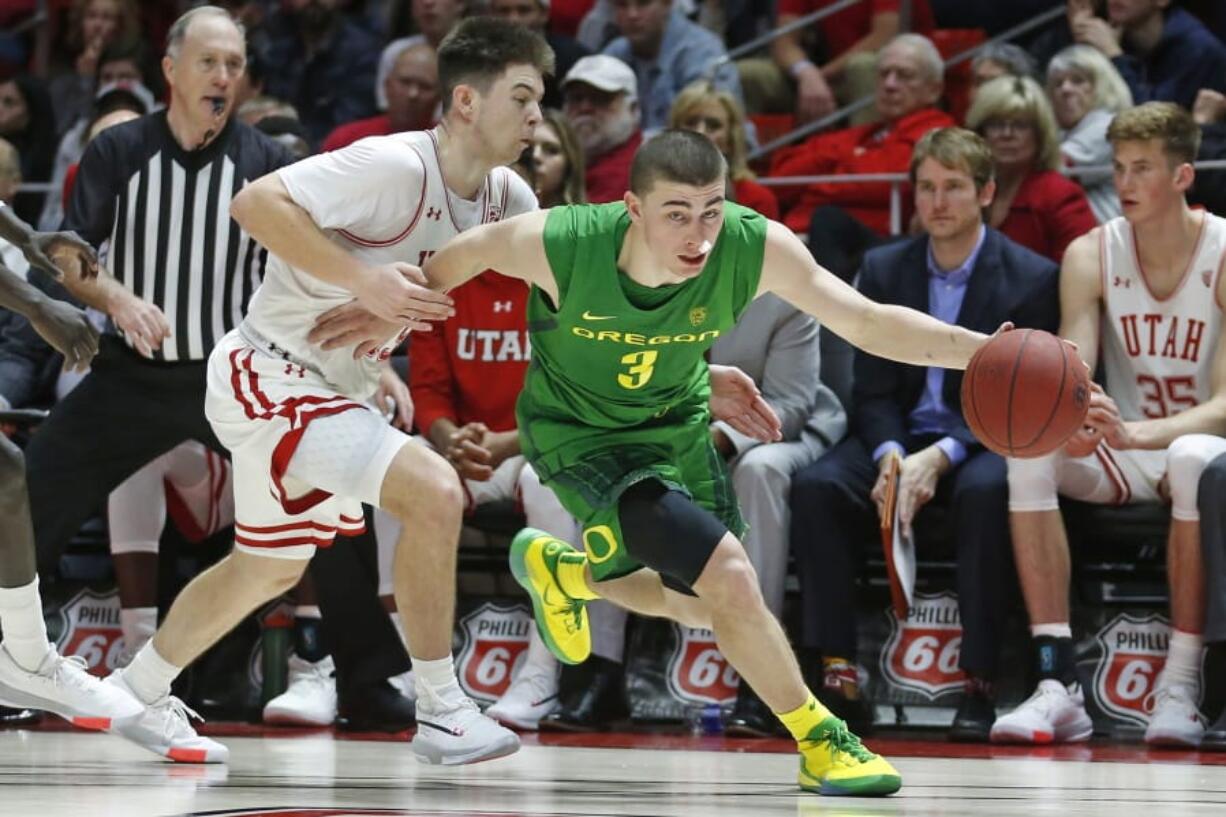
{"type": "Point", "coordinates": [1035, 206]}
{"type": "Point", "coordinates": [716, 114]}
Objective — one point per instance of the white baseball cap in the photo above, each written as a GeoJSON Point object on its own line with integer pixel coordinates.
{"type": "Point", "coordinates": [609, 74]}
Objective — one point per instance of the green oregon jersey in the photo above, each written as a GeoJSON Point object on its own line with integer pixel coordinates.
{"type": "Point", "coordinates": [617, 354]}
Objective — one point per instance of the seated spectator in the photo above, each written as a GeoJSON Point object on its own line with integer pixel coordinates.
{"type": "Point", "coordinates": [797, 79]}
{"type": "Point", "coordinates": [1034, 205]}
{"type": "Point", "coordinates": [322, 64]}
{"type": "Point", "coordinates": [597, 29]}
{"type": "Point", "coordinates": [566, 51]}
{"type": "Point", "coordinates": [1162, 51]}
{"type": "Point", "coordinates": [715, 113]}
{"type": "Point", "coordinates": [1209, 189]}
{"type": "Point", "coordinates": [965, 272]}
{"type": "Point", "coordinates": [432, 19]}
{"type": "Point", "coordinates": [666, 52]}
{"type": "Point", "coordinates": [557, 162]}
{"type": "Point", "coordinates": [411, 90]}
{"type": "Point", "coordinates": [565, 15]}
{"type": "Point", "coordinates": [601, 101]}
{"type": "Point", "coordinates": [1147, 434]}
{"type": "Point", "coordinates": [95, 26]}
{"type": "Point", "coordinates": [909, 82]}
{"type": "Point", "coordinates": [1000, 60]}
{"type": "Point", "coordinates": [27, 122]}
{"type": "Point", "coordinates": [1086, 92]}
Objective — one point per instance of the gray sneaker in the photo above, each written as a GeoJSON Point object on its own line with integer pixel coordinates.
{"type": "Point", "coordinates": [453, 733]}
{"type": "Point", "coordinates": [62, 685]}
{"type": "Point", "coordinates": [164, 727]}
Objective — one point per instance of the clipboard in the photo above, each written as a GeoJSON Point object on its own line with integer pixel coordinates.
{"type": "Point", "coordinates": [899, 551]}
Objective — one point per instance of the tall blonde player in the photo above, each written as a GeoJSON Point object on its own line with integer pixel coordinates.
{"type": "Point", "coordinates": [345, 231]}
{"type": "Point", "coordinates": [1149, 284]}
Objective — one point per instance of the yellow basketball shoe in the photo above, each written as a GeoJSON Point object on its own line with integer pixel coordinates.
{"type": "Point", "coordinates": [561, 619]}
{"type": "Point", "coordinates": [834, 761]}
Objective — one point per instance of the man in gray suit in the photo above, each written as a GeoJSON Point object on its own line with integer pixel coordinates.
{"type": "Point", "coordinates": [777, 345]}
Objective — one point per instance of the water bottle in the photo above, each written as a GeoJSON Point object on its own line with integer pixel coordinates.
{"type": "Point", "coordinates": [705, 719]}
{"type": "Point", "coordinates": [274, 648]}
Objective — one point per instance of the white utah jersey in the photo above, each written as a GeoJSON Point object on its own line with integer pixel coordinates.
{"type": "Point", "coordinates": [1158, 352]}
{"type": "Point", "coordinates": [382, 199]}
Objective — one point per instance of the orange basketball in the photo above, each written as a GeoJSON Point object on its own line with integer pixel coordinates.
{"type": "Point", "coordinates": [1025, 393]}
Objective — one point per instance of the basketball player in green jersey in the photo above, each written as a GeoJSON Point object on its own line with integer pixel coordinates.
{"type": "Point", "coordinates": [626, 298]}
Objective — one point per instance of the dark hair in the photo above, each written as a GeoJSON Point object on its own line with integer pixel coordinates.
{"type": "Point", "coordinates": [479, 49]}
{"type": "Point", "coordinates": [676, 155]}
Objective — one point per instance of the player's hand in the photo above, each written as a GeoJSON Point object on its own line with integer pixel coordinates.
{"type": "Point", "coordinates": [397, 293]}
{"type": "Point", "coordinates": [814, 99]}
{"type": "Point", "coordinates": [69, 332]}
{"type": "Point", "coordinates": [57, 253]}
{"type": "Point", "coordinates": [1083, 443]}
{"type": "Point", "coordinates": [1103, 414]}
{"type": "Point", "coordinates": [394, 390]}
{"type": "Point", "coordinates": [735, 399]}
{"type": "Point", "coordinates": [142, 322]}
{"type": "Point", "coordinates": [919, 474]}
{"type": "Point", "coordinates": [467, 453]}
{"type": "Point", "coordinates": [353, 325]}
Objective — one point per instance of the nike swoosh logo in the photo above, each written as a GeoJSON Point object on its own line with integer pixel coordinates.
{"type": "Point", "coordinates": [588, 316]}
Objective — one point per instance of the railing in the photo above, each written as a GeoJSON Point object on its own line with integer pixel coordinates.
{"type": "Point", "coordinates": [864, 102]}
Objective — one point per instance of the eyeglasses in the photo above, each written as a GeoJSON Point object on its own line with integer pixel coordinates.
{"type": "Point", "coordinates": [999, 127]}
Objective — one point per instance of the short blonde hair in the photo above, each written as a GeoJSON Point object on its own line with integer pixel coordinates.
{"type": "Point", "coordinates": [10, 162]}
{"type": "Point", "coordinates": [1165, 121]}
{"type": "Point", "coordinates": [956, 149]}
{"type": "Point", "coordinates": [1111, 93]}
{"type": "Point", "coordinates": [1019, 98]}
{"type": "Point", "coordinates": [701, 92]}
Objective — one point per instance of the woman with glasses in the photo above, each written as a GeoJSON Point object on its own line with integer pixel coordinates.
{"type": "Point", "coordinates": [1086, 92]}
{"type": "Point", "coordinates": [1035, 205]}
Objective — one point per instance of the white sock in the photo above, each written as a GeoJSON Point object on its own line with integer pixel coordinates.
{"type": "Point", "coordinates": [21, 618]}
{"type": "Point", "coordinates": [149, 676]}
{"type": "Point", "coordinates": [1062, 630]}
{"type": "Point", "coordinates": [437, 677]}
{"type": "Point", "coordinates": [138, 625]}
{"type": "Point", "coordinates": [1183, 660]}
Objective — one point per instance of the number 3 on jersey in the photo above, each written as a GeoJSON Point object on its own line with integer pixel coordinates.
{"type": "Point", "coordinates": [640, 367]}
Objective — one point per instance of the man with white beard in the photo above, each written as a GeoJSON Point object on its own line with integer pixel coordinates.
{"type": "Point", "coordinates": [600, 98]}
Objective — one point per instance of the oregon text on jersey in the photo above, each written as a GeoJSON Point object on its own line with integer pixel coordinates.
{"type": "Point", "coordinates": [637, 339]}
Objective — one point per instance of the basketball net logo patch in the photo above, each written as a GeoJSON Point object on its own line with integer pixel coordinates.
{"type": "Point", "coordinates": [922, 652]}
{"type": "Point", "coordinates": [495, 644]}
{"type": "Point", "coordinates": [91, 630]}
{"type": "Point", "coordinates": [1133, 653]}
{"type": "Point", "coordinates": [698, 671]}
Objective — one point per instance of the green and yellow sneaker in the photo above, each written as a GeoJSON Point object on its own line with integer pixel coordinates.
{"type": "Point", "coordinates": [560, 619]}
{"type": "Point", "coordinates": [834, 761]}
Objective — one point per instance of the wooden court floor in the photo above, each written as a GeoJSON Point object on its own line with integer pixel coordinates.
{"type": "Point", "coordinates": [48, 772]}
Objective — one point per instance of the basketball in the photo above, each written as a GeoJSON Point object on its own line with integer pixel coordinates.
{"type": "Point", "coordinates": [1025, 393]}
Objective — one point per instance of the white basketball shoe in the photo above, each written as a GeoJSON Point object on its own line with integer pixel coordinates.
{"type": "Point", "coordinates": [451, 732]}
{"type": "Point", "coordinates": [530, 697]}
{"type": "Point", "coordinates": [1175, 719]}
{"type": "Point", "coordinates": [164, 727]}
{"type": "Point", "coordinates": [1053, 714]}
{"type": "Point", "coordinates": [309, 699]}
{"type": "Point", "coordinates": [63, 686]}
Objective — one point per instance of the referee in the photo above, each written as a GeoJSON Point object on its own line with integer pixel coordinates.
{"type": "Point", "coordinates": [178, 276]}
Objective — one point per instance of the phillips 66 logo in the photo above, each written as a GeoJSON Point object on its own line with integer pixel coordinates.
{"type": "Point", "coordinates": [1133, 653]}
{"type": "Point", "coordinates": [91, 630]}
{"type": "Point", "coordinates": [922, 652]}
{"type": "Point", "coordinates": [698, 672]}
{"type": "Point", "coordinates": [495, 643]}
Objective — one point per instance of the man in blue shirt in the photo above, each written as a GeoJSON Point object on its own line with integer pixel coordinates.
{"type": "Point", "coordinates": [966, 273]}
{"type": "Point", "coordinates": [667, 53]}
{"type": "Point", "coordinates": [1163, 53]}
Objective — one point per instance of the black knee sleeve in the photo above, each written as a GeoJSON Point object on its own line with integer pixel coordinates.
{"type": "Point", "coordinates": [666, 531]}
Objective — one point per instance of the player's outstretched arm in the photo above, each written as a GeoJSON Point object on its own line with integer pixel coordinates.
{"type": "Point", "coordinates": [893, 332]}
{"type": "Point", "coordinates": [62, 325]}
{"type": "Point", "coordinates": [514, 247]}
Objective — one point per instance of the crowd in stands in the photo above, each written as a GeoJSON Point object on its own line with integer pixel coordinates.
{"type": "Point", "coordinates": [324, 74]}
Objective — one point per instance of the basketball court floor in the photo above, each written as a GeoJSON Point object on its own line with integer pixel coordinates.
{"type": "Point", "coordinates": [49, 772]}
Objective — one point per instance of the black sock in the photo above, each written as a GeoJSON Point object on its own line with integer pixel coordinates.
{"type": "Point", "coordinates": [308, 640]}
{"type": "Point", "coordinates": [1055, 658]}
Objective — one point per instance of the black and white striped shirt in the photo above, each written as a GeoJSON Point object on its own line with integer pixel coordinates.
{"type": "Point", "coordinates": [165, 213]}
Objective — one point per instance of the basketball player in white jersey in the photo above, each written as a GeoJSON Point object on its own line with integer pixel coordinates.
{"type": "Point", "coordinates": [351, 226]}
{"type": "Point", "coordinates": [1150, 285]}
